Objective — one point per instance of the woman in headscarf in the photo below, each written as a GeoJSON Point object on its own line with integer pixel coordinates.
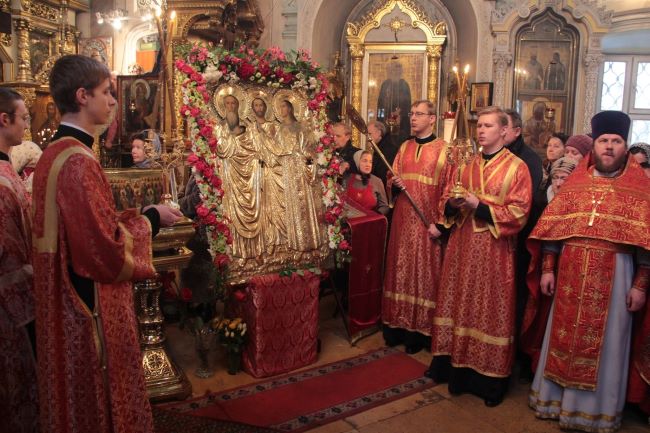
{"type": "Point", "coordinates": [138, 153]}
{"type": "Point", "coordinates": [641, 152]}
{"type": "Point", "coordinates": [366, 189]}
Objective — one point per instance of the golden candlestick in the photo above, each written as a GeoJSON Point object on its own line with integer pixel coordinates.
{"type": "Point", "coordinates": [461, 149]}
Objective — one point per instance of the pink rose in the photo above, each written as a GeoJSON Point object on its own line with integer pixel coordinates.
{"type": "Point", "coordinates": [192, 159]}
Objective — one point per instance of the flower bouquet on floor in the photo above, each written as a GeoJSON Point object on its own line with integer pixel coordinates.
{"type": "Point", "coordinates": [232, 334]}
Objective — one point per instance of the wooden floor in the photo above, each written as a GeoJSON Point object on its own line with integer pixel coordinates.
{"type": "Point", "coordinates": [431, 411]}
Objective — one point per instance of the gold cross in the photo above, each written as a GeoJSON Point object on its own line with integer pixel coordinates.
{"type": "Point", "coordinates": [593, 215]}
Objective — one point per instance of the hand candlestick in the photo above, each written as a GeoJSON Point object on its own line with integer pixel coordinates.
{"type": "Point", "coordinates": [461, 149]}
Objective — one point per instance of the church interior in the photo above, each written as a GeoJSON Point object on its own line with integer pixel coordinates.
{"type": "Point", "coordinates": [227, 110]}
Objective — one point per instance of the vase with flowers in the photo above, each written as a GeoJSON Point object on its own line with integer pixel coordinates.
{"type": "Point", "coordinates": [232, 335]}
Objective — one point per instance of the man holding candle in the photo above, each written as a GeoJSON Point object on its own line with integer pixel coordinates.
{"type": "Point", "coordinates": [474, 321]}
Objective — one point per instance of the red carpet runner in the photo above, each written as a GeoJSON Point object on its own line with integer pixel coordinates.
{"type": "Point", "coordinates": [306, 399]}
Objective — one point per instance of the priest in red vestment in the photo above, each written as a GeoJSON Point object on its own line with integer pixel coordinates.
{"type": "Point", "coordinates": [90, 372]}
{"type": "Point", "coordinates": [474, 322]}
{"type": "Point", "coordinates": [592, 251]}
{"type": "Point", "coordinates": [413, 259]}
{"type": "Point", "coordinates": [18, 395]}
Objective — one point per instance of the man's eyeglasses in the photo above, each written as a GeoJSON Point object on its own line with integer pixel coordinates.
{"type": "Point", "coordinates": [418, 114]}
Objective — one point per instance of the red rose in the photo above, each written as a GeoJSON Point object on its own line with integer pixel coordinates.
{"type": "Point", "coordinates": [186, 294]}
{"type": "Point", "coordinates": [344, 245]}
{"type": "Point", "coordinates": [245, 70]}
{"type": "Point", "coordinates": [239, 295]}
{"type": "Point", "coordinates": [221, 260]}
{"type": "Point", "coordinates": [330, 217]}
{"type": "Point", "coordinates": [202, 211]}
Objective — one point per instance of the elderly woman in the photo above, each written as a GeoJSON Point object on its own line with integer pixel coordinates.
{"type": "Point", "coordinates": [23, 159]}
{"type": "Point", "coordinates": [140, 159]}
{"type": "Point", "coordinates": [578, 146]}
{"type": "Point", "coordinates": [641, 152]}
{"type": "Point", "coordinates": [554, 151]}
{"type": "Point", "coordinates": [560, 170]}
{"type": "Point", "coordinates": [364, 188]}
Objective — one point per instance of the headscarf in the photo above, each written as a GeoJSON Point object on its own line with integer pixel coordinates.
{"type": "Point", "coordinates": [645, 148]}
{"type": "Point", "coordinates": [565, 164]}
{"type": "Point", "coordinates": [583, 143]}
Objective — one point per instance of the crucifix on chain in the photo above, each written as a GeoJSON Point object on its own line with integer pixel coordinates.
{"type": "Point", "coordinates": [593, 215]}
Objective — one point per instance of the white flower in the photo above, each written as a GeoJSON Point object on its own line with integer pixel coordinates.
{"type": "Point", "coordinates": [244, 331]}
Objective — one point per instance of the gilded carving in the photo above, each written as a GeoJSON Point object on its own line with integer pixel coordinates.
{"type": "Point", "coordinates": [23, 27]}
{"type": "Point", "coordinates": [5, 39]}
{"type": "Point", "coordinates": [373, 17]}
{"type": "Point", "coordinates": [434, 53]}
{"type": "Point", "coordinates": [357, 50]}
{"type": "Point", "coordinates": [44, 11]}
{"type": "Point", "coordinates": [43, 76]}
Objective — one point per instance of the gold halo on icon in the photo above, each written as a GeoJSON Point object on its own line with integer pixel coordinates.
{"type": "Point", "coordinates": [299, 104]}
{"type": "Point", "coordinates": [231, 90]}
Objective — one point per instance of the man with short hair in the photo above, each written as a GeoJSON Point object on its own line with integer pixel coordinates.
{"type": "Point", "coordinates": [595, 267]}
{"type": "Point", "coordinates": [18, 394]}
{"type": "Point", "coordinates": [85, 256]}
{"type": "Point", "coordinates": [413, 259]}
{"type": "Point", "coordinates": [379, 136]}
{"type": "Point", "coordinates": [474, 321]}
{"type": "Point", "coordinates": [343, 147]}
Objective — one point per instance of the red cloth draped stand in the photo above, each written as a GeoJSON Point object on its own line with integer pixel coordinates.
{"type": "Point", "coordinates": [366, 270]}
{"type": "Point", "coordinates": [281, 314]}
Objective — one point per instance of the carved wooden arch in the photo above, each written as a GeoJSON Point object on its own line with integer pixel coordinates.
{"type": "Point", "coordinates": [434, 33]}
{"type": "Point", "coordinates": [356, 33]}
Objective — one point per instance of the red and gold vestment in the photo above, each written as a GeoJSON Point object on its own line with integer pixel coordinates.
{"type": "Point", "coordinates": [475, 312]}
{"type": "Point", "coordinates": [19, 407]}
{"type": "Point", "coordinates": [595, 217]}
{"type": "Point", "coordinates": [413, 261]}
{"type": "Point", "coordinates": [90, 366]}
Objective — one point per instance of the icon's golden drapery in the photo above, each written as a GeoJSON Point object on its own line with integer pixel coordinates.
{"type": "Point", "coordinates": [272, 196]}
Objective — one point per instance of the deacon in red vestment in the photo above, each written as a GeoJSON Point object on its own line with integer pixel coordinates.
{"type": "Point", "coordinates": [413, 259]}
{"type": "Point", "coordinates": [18, 395]}
{"type": "Point", "coordinates": [85, 255]}
{"type": "Point", "coordinates": [594, 267]}
{"type": "Point", "coordinates": [474, 322]}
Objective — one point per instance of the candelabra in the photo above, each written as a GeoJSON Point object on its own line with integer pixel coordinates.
{"type": "Point", "coordinates": [461, 149]}
{"type": "Point", "coordinates": [114, 17]}
{"type": "Point", "coordinates": [167, 161]}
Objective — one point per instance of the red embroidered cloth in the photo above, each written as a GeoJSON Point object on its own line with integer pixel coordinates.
{"type": "Point", "coordinates": [368, 230]}
{"type": "Point", "coordinates": [281, 314]}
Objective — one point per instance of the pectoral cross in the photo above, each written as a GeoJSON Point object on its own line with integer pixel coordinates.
{"type": "Point", "coordinates": [593, 215]}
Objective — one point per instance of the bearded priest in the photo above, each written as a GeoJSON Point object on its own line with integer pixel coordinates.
{"type": "Point", "coordinates": [592, 277]}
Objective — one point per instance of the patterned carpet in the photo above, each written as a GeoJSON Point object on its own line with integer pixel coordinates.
{"type": "Point", "coordinates": [172, 422]}
{"type": "Point", "coordinates": [305, 399]}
